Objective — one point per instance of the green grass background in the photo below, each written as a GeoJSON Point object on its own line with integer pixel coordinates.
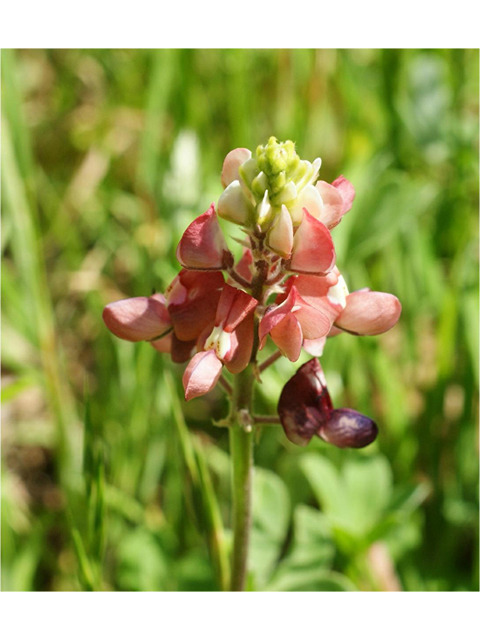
{"type": "Point", "coordinates": [109, 479]}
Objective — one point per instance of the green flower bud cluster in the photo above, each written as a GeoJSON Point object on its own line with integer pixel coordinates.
{"type": "Point", "coordinates": [276, 175]}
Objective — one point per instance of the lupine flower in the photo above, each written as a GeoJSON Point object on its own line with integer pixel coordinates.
{"type": "Point", "coordinates": [228, 342]}
{"type": "Point", "coordinates": [305, 409]}
{"type": "Point", "coordinates": [212, 309]}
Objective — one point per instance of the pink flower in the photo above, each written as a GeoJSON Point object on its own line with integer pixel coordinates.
{"type": "Point", "coordinates": [304, 314]}
{"type": "Point", "coordinates": [313, 307]}
{"type": "Point", "coordinates": [228, 341]}
{"type": "Point", "coordinates": [289, 322]}
{"type": "Point", "coordinates": [305, 409]}
{"type": "Point", "coordinates": [202, 246]}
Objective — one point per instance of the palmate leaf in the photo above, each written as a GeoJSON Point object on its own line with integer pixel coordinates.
{"type": "Point", "coordinates": [355, 499]}
{"type": "Point", "coordinates": [308, 564]}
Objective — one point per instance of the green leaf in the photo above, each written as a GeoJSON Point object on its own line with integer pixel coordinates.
{"type": "Point", "coordinates": [355, 499]}
{"type": "Point", "coordinates": [312, 543]}
{"type": "Point", "coordinates": [271, 512]}
{"type": "Point", "coordinates": [141, 563]}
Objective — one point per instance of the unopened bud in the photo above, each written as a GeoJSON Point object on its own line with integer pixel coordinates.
{"type": "Point", "coordinates": [348, 428]}
{"type": "Point", "coordinates": [280, 236]}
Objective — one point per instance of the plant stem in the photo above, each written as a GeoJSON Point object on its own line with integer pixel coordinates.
{"type": "Point", "coordinates": [242, 439]}
{"type": "Point", "coordinates": [241, 451]}
{"type": "Point", "coordinates": [269, 361]}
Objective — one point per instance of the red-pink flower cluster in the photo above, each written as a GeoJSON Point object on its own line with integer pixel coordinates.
{"type": "Point", "coordinates": [286, 286]}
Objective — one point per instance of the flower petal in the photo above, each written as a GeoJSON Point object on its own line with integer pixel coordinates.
{"type": "Point", "coordinates": [310, 200]}
{"type": "Point", "coordinates": [136, 319]}
{"type": "Point", "coordinates": [233, 306]}
{"type": "Point", "coordinates": [182, 350]}
{"type": "Point", "coordinates": [313, 250]}
{"type": "Point", "coordinates": [163, 345]}
{"type": "Point", "coordinates": [304, 404]}
{"type": "Point", "coordinates": [314, 322]}
{"type": "Point", "coordinates": [201, 374]}
{"type": "Point", "coordinates": [233, 204]}
{"type": "Point", "coordinates": [347, 190]}
{"type": "Point", "coordinates": [275, 315]}
{"type": "Point", "coordinates": [288, 337]}
{"type": "Point", "coordinates": [203, 246]}
{"type": "Point", "coordinates": [369, 313]}
{"type": "Point", "coordinates": [242, 343]}
{"type": "Point", "coordinates": [232, 162]}
{"type": "Point", "coordinates": [348, 428]}
{"type": "Point", "coordinates": [337, 200]}
{"type": "Point", "coordinates": [280, 236]}
{"type": "Point", "coordinates": [192, 300]}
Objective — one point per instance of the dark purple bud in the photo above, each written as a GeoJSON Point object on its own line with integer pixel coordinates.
{"type": "Point", "coordinates": [348, 428]}
{"type": "Point", "coordinates": [305, 404]}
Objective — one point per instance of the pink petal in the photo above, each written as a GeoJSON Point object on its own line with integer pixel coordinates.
{"type": "Point", "coordinates": [310, 200]}
{"type": "Point", "coordinates": [288, 337]}
{"type": "Point", "coordinates": [203, 246]}
{"type": "Point", "coordinates": [280, 236]}
{"type": "Point", "coordinates": [304, 404]}
{"type": "Point", "coordinates": [242, 343]}
{"type": "Point", "coordinates": [314, 322]}
{"type": "Point", "coordinates": [231, 164]}
{"type": "Point", "coordinates": [314, 291]}
{"type": "Point", "coordinates": [164, 345]}
{"type": "Point", "coordinates": [201, 374]}
{"type": "Point", "coordinates": [332, 210]}
{"type": "Point", "coordinates": [275, 315]}
{"type": "Point", "coordinates": [334, 331]}
{"type": "Point", "coordinates": [347, 190]}
{"type": "Point", "coordinates": [192, 300]}
{"type": "Point", "coordinates": [182, 350]}
{"type": "Point", "coordinates": [337, 200]}
{"type": "Point", "coordinates": [369, 313]}
{"type": "Point", "coordinates": [234, 204]}
{"type": "Point", "coordinates": [136, 319]}
{"type": "Point", "coordinates": [313, 250]}
{"type": "Point", "coordinates": [233, 306]}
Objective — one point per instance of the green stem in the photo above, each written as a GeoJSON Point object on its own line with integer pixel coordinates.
{"type": "Point", "coordinates": [242, 439]}
{"type": "Point", "coordinates": [241, 451]}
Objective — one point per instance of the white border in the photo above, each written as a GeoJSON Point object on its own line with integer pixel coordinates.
{"type": "Point", "coordinates": [244, 616]}
{"type": "Point", "coordinates": [245, 23]}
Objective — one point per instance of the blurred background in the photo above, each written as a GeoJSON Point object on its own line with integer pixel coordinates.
{"type": "Point", "coordinates": [110, 481]}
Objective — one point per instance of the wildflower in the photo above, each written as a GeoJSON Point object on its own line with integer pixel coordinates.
{"type": "Point", "coordinates": [228, 342]}
{"type": "Point", "coordinates": [285, 285]}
